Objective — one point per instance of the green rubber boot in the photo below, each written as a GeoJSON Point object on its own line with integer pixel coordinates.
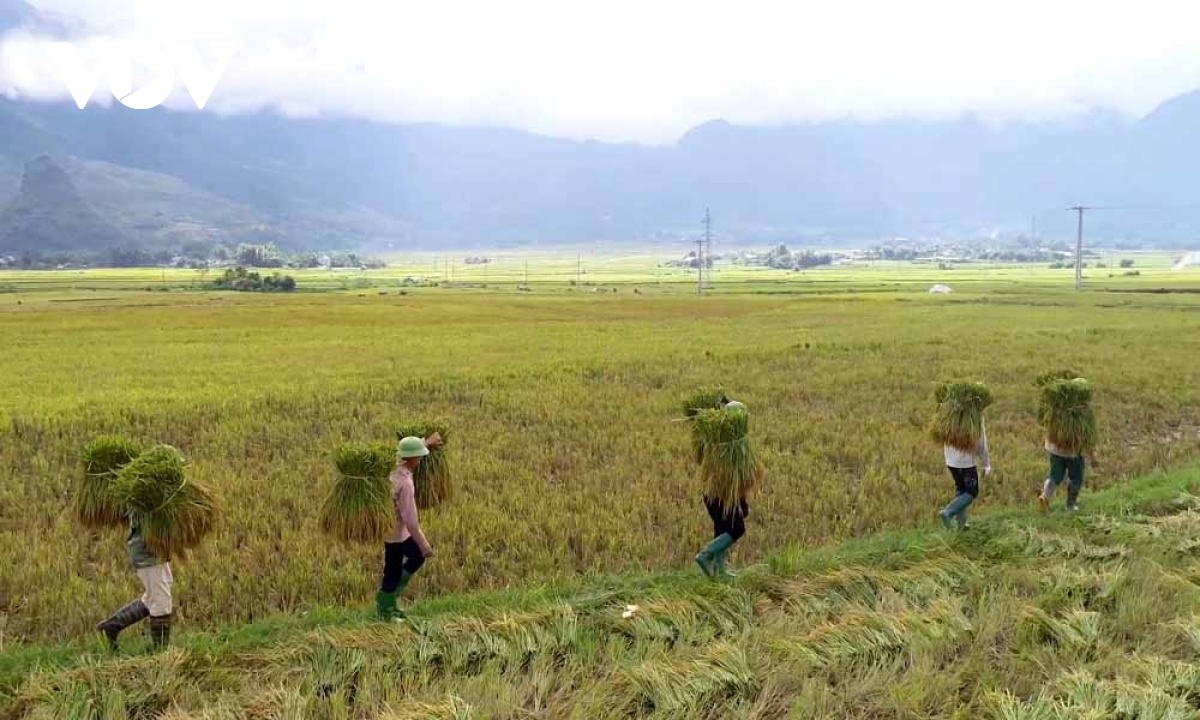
{"type": "Point", "coordinates": [707, 558]}
{"type": "Point", "coordinates": [719, 565]}
{"type": "Point", "coordinates": [385, 606]}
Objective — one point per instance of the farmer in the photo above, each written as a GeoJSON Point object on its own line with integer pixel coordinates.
{"type": "Point", "coordinates": [1066, 465]}
{"type": "Point", "coordinates": [155, 602]}
{"type": "Point", "coordinates": [964, 468]}
{"type": "Point", "coordinates": [406, 549]}
{"type": "Point", "coordinates": [729, 525]}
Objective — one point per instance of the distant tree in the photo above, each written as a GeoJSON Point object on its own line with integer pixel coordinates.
{"type": "Point", "coordinates": [242, 280]}
{"type": "Point", "coordinates": [263, 256]}
{"type": "Point", "coordinates": [1127, 263]}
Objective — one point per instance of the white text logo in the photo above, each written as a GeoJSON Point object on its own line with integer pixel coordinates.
{"type": "Point", "coordinates": [163, 61]}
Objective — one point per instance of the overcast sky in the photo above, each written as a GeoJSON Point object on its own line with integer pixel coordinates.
{"type": "Point", "coordinates": [648, 70]}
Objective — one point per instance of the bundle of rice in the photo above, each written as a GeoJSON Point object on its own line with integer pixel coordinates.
{"type": "Point", "coordinates": [729, 469]}
{"type": "Point", "coordinates": [93, 503]}
{"type": "Point", "coordinates": [958, 421]}
{"type": "Point", "coordinates": [1066, 414]}
{"type": "Point", "coordinates": [358, 507]}
{"type": "Point", "coordinates": [1055, 375]}
{"type": "Point", "coordinates": [704, 398]}
{"type": "Point", "coordinates": [432, 478]}
{"type": "Point", "coordinates": [173, 513]}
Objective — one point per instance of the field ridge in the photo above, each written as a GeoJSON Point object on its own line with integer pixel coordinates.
{"type": "Point", "coordinates": [1022, 616]}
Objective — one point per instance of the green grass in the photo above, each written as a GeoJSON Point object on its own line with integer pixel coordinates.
{"type": "Point", "coordinates": [1023, 616]}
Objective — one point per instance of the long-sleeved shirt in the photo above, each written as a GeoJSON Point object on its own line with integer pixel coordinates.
{"type": "Point", "coordinates": [404, 500]}
{"type": "Point", "coordinates": [957, 458]}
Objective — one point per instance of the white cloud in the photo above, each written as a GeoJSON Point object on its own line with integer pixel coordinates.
{"type": "Point", "coordinates": [649, 70]}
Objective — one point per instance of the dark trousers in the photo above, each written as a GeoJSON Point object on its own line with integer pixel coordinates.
{"type": "Point", "coordinates": [966, 489]}
{"type": "Point", "coordinates": [1068, 468]}
{"type": "Point", "coordinates": [725, 522]}
{"type": "Point", "coordinates": [399, 558]}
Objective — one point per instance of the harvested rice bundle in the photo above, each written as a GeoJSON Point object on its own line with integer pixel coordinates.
{"type": "Point", "coordinates": [94, 505]}
{"type": "Point", "coordinates": [704, 398]}
{"type": "Point", "coordinates": [1066, 414]}
{"type": "Point", "coordinates": [958, 420]}
{"type": "Point", "coordinates": [1049, 378]}
{"type": "Point", "coordinates": [173, 513]}
{"type": "Point", "coordinates": [1055, 375]}
{"type": "Point", "coordinates": [432, 478]}
{"type": "Point", "coordinates": [358, 507]}
{"type": "Point", "coordinates": [729, 469]}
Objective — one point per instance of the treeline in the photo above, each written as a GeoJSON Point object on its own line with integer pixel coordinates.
{"type": "Point", "coordinates": [197, 254]}
{"type": "Point", "coordinates": [781, 258]}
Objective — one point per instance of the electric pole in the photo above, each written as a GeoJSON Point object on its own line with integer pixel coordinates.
{"type": "Point", "coordinates": [526, 273]}
{"type": "Point", "coordinates": [699, 266]}
{"type": "Point", "coordinates": [1079, 209]}
{"type": "Point", "coordinates": [708, 245]}
{"type": "Point", "coordinates": [579, 272]}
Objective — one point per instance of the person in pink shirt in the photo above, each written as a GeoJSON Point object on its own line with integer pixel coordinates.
{"type": "Point", "coordinates": [406, 549]}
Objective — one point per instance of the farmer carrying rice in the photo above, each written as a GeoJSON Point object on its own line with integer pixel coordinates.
{"type": "Point", "coordinates": [1066, 414]}
{"type": "Point", "coordinates": [406, 549]}
{"type": "Point", "coordinates": [155, 602]}
{"type": "Point", "coordinates": [729, 471]}
{"type": "Point", "coordinates": [958, 425]}
{"type": "Point", "coordinates": [168, 515]}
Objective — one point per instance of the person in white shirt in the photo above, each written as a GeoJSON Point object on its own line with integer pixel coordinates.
{"type": "Point", "coordinates": [964, 464]}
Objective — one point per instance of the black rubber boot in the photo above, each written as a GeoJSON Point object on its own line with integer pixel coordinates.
{"type": "Point", "coordinates": [131, 614]}
{"type": "Point", "coordinates": [1072, 498]}
{"type": "Point", "coordinates": [160, 631]}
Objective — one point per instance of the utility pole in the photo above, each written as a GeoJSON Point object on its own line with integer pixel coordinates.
{"type": "Point", "coordinates": [526, 273]}
{"type": "Point", "coordinates": [579, 272]}
{"type": "Point", "coordinates": [708, 243]}
{"type": "Point", "coordinates": [699, 266]}
{"type": "Point", "coordinates": [1079, 209]}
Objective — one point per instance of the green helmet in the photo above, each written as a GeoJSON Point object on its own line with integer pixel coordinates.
{"type": "Point", "coordinates": [735, 405]}
{"type": "Point", "coordinates": [411, 447]}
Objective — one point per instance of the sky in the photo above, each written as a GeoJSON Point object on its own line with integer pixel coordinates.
{"type": "Point", "coordinates": [648, 71]}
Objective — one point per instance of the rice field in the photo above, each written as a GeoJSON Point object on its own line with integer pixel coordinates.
{"type": "Point", "coordinates": [569, 458]}
{"type": "Point", "coordinates": [1086, 616]}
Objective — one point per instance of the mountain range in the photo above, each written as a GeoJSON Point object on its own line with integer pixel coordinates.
{"type": "Point", "coordinates": [160, 177]}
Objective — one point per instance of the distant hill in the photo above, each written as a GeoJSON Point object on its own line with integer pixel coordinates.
{"type": "Point", "coordinates": [49, 215]}
{"type": "Point", "coordinates": [342, 182]}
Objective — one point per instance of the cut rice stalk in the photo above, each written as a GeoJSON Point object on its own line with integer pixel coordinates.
{"type": "Point", "coordinates": [1066, 414]}
{"type": "Point", "coordinates": [729, 469]}
{"type": "Point", "coordinates": [359, 507]}
{"type": "Point", "coordinates": [173, 513]}
{"type": "Point", "coordinates": [958, 420]}
{"type": "Point", "coordinates": [93, 502]}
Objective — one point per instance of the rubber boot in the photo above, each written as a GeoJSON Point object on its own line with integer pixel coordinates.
{"type": "Point", "coordinates": [719, 564]}
{"type": "Point", "coordinates": [385, 605]}
{"type": "Point", "coordinates": [131, 614]}
{"type": "Point", "coordinates": [405, 578]}
{"type": "Point", "coordinates": [160, 631]}
{"type": "Point", "coordinates": [707, 558]}
{"type": "Point", "coordinates": [1072, 498]}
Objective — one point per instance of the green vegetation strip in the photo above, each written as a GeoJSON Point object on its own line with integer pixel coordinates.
{"type": "Point", "coordinates": [1022, 616]}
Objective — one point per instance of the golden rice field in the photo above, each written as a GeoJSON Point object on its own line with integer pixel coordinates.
{"type": "Point", "coordinates": [569, 460]}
